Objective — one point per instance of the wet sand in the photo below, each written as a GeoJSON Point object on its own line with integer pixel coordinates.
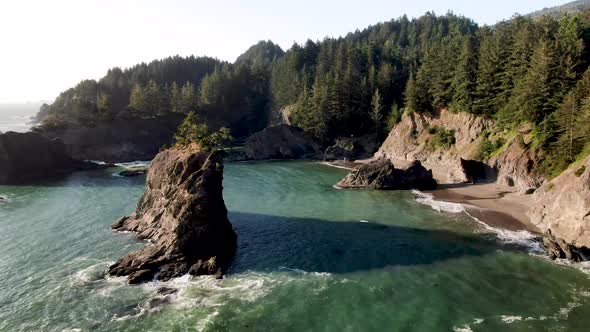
{"type": "Point", "coordinates": [493, 204]}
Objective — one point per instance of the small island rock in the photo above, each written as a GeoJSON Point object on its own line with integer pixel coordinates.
{"type": "Point", "coordinates": [381, 174]}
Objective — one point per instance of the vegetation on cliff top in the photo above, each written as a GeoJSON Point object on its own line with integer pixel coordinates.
{"type": "Point", "coordinates": [525, 70]}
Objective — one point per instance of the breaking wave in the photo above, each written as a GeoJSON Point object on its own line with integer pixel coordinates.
{"type": "Point", "coordinates": [521, 238]}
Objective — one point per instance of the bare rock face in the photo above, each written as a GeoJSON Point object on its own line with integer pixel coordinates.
{"type": "Point", "coordinates": [382, 175]}
{"type": "Point", "coordinates": [183, 214]}
{"type": "Point", "coordinates": [562, 211]}
{"type": "Point", "coordinates": [281, 142]}
{"type": "Point", "coordinates": [516, 167]}
{"type": "Point", "coordinates": [26, 157]}
{"type": "Point", "coordinates": [409, 140]}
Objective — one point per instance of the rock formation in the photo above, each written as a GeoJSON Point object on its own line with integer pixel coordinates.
{"type": "Point", "coordinates": [281, 142]}
{"type": "Point", "coordinates": [183, 214]}
{"type": "Point", "coordinates": [562, 211]}
{"type": "Point", "coordinates": [118, 140]}
{"type": "Point", "coordinates": [516, 164]}
{"type": "Point", "coordinates": [411, 140]}
{"type": "Point", "coordinates": [382, 175]}
{"type": "Point", "coordinates": [352, 148]}
{"type": "Point", "coordinates": [26, 157]}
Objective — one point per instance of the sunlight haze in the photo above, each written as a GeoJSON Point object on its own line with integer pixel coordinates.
{"type": "Point", "coordinates": [49, 46]}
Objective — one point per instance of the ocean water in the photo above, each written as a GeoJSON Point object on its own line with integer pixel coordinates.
{"type": "Point", "coordinates": [17, 117]}
{"type": "Point", "coordinates": [310, 258]}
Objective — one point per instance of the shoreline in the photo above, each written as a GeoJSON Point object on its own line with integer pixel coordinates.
{"type": "Point", "coordinates": [492, 204]}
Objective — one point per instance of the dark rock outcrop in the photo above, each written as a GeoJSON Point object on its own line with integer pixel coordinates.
{"type": "Point", "coordinates": [352, 148]}
{"type": "Point", "coordinates": [26, 157]}
{"type": "Point", "coordinates": [184, 216]}
{"type": "Point", "coordinates": [477, 171]}
{"type": "Point", "coordinates": [559, 248]}
{"type": "Point", "coordinates": [133, 172]}
{"type": "Point", "coordinates": [118, 140]}
{"type": "Point", "coordinates": [382, 175]}
{"type": "Point", "coordinates": [281, 142]}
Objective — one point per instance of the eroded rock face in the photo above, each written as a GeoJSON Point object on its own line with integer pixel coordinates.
{"type": "Point", "coordinates": [281, 142]}
{"type": "Point", "coordinates": [26, 157]}
{"type": "Point", "coordinates": [562, 210]}
{"type": "Point", "coordinates": [118, 140]}
{"type": "Point", "coordinates": [183, 214]}
{"type": "Point", "coordinates": [516, 167]}
{"type": "Point", "coordinates": [410, 140]}
{"type": "Point", "coordinates": [352, 148]}
{"type": "Point", "coordinates": [382, 175]}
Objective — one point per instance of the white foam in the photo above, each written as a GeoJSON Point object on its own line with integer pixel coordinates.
{"type": "Point", "coordinates": [440, 206]}
{"type": "Point", "coordinates": [467, 327]}
{"type": "Point", "coordinates": [522, 238]}
{"type": "Point", "coordinates": [510, 319]}
{"type": "Point", "coordinates": [135, 164]}
{"type": "Point", "coordinates": [336, 166]}
{"type": "Point", "coordinates": [364, 221]}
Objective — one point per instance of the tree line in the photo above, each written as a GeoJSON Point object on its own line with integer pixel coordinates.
{"type": "Point", "coordinates": [527, 70]}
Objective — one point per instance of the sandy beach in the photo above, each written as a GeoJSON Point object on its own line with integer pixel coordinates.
{"type": "Point", "coordinates": [493, 204]}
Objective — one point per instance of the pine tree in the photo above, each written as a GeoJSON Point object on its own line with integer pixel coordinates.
{"type": "Point", "coordinates": [464, 80]}
{"type": "Point", "coordinates": [376, 111]}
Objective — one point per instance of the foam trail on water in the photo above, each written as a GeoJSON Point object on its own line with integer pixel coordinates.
{"type": "Point", "coordinates": [521, 238]}
{"type": "Point", "coordinates": [135, 164]}
{"type": "Point", "coordinates": [440, 206]}
{"type": "Point", "coordinates": [336, 166]}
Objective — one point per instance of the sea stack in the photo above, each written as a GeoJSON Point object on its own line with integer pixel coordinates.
{"type": "Point", "coordinates": [380, 174]}
{"type": "Point", "coordinates": [183, 214]}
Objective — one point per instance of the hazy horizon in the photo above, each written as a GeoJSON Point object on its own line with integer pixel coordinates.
{"type": "Point", "coordinates": [57, 44]}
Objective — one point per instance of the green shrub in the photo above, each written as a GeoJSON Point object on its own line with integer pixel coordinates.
{"type": "Point", "coordinates": [487, 148]}
{"type": "Point", "coordinates": [442, 138]}
{"type": "Point", "coordinates": [191, 131]}
{"type": "Point", "coordinates": [580, 171]}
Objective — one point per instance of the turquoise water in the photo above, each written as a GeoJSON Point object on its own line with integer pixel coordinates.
{"type": "Point", "coordinates": [305, 262]}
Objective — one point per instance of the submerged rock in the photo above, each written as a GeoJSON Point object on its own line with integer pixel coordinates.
{"type": "Point", "coordinates": [133, 172]}
{"type": "Point", "coordinates": [381, 174]}
{"type": "Point", "coordinates": [183, 213]}
{"type": "Point", "coordinates": [281, 142]}
{"type": "Point", "coordinates": [26, 157]}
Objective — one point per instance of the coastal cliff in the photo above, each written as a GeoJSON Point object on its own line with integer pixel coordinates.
{"type": "Point", "coordinates": [26, 157]}
{"type": "Point", "coordinates": [416, 137]}
{"type": "Point", "coordinates": [118, 140]}
{"type": "Point", "coordinates": [562, 211]}
{"type": "Point", "coordinates": [183, 214]}
{"type": "Point", "coordinates": [281, 142]}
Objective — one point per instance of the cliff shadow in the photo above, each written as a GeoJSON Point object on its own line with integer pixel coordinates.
{"type": "Point", "coordinates": [269, 243]}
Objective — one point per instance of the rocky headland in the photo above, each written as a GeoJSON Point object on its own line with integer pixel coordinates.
{"type": "Point", "coordinates": [281, 142]}
{"type": "Point", "coordinates": [27, 157]}
{"type": "Point", "coordinates": [117, 140]}
{"type": "Point", "coordinates": [183, 214]}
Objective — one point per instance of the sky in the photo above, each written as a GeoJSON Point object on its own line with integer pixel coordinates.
{"type": "Point", "coordinates": [48, 46]}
